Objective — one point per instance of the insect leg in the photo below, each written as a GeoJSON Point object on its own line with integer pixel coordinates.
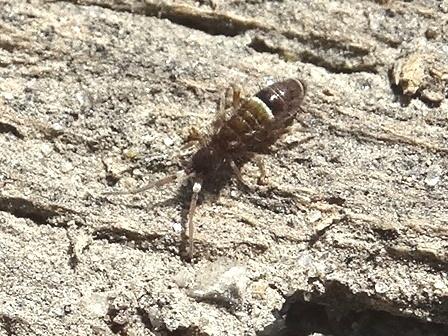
{"type": "Point", "coordinates": [194, 136]}
{"type": "Point", "coordinates": [237, 93]}
{"type": "Point", "coordinates": [158, 183]}
{"type": "Point", "coordinates": [238, 175]}
{"type": "Point", "coordinates": [221, 114]}
{"type": "Point", "coordinates": [197, 186]}
{"type": "Point", "coordinates": [231, 99]}
{"type": "Point", "coordinates": [299, 118]}
{"type": "Point", "coordinates": [262, 169]}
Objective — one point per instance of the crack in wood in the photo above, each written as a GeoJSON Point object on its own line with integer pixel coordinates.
{"type": "Point", "coordinates": [13, 325]}
{"type": "Point", "coordinates": [385, 135]}
{"type": "Point", "coordinates": [340, 311]}
{"type": "Point", "coordinates": [9, 128]}
{"type": "Point", "coordinates": [221, 23]}
{"type": "Point", "coordinates": [140, 241]}
{"type": "Point", "coordinates": [35, 211]}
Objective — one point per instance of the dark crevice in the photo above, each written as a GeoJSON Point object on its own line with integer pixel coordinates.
{"type": "Point", "coordinates": [428, 102]}
{"type": "Point", "coordinates": [144, 318]}
{"type": "Point", "coordinates": [210, 22]}
{"type": "Point", "coordinates": [213, 23]}
{"type": "Point", "coordinates": [363, 135]}
{"type": "Point", "coordinates": [116, 328]}
{"type": "Point", "coordinates": [7, 324]}
{"type": "Point", "coordinates": [316, 236]}
{"type": "Point", "coordinates": [73, 259]}
{"type": "Point", "coordinates": [12, 325]}
{"type": "Point", "coordinates": [387, 40]}
{"type": "Point", "coordinates": [261, 45]}
{"type": "Point", "coordinates": [325, 42]}
{"type": "Point", "coordinates": [8, 128]}
{"type": "Point", "coordinates": [307, 56]}
{"type": "Point", "coordinates": [127, 237]}
{"type": "Point", "coordinates": [22, 208]}
{"type": "Point", "coordinates": [339, 312]}
{"type": "Point", "coordinates": [8, 46]}
{"type": "Point", "coordinates": [437, 262]}
{"type": "Point", "coordinates": [190, 331]}
{"type": "Point", "coordinates": [335, 199]}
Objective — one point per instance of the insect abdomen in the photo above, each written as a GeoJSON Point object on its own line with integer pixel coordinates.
{"type": "Point", "coordinates": [252, 116]}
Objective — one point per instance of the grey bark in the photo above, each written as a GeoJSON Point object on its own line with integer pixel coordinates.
{"type": "Point", "coordinates": [350, 234]}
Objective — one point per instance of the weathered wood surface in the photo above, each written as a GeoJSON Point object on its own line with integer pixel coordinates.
{"type": "Point", "coordinates": [99, 95]}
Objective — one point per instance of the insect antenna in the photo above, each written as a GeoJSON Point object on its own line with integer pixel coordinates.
{"type": "Point", "coordinates": [161, 182]}
{"type": "Point", "coordinates": [197, 186]}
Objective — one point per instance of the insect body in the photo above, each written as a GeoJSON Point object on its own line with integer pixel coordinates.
{"type": "Point", "coordinates": [252, 125]}
{"type": "Point", "coordinates": [248, 127]}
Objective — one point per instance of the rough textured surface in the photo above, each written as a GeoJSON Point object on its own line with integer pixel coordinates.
{"type": "Point", "coordinates": [99, 95]}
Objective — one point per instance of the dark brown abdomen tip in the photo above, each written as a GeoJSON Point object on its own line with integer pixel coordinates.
{"type": "Point", "coordinates": [283, 96]}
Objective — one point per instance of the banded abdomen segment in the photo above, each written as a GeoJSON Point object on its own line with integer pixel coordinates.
{"type": "Point", "coordinates": [261, 119]}
{"type": "Point", "coordinates": [245, 125]}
